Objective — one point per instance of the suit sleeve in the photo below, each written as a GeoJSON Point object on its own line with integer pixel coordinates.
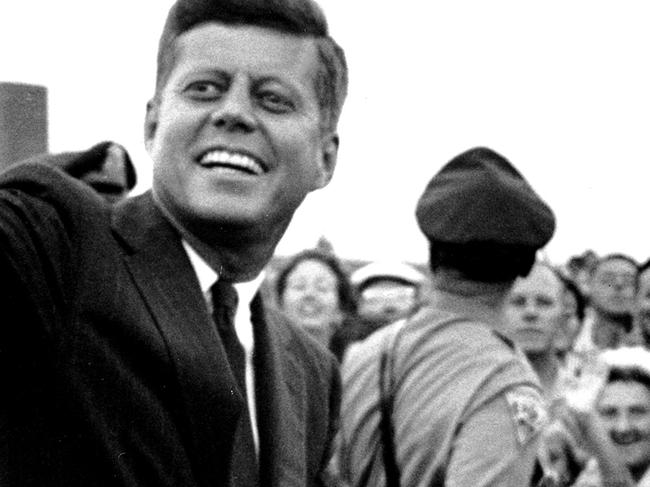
{"type": "Point", "coordinates": [39, 222]}
{"type": "Point", "coordinates": [329, 476]}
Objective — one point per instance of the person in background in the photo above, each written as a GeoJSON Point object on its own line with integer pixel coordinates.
{"type": "Point", "coordinates": [612, 287]}
{"type": "Point", "coordinates": [314, 292]}
{"type": "Point", "coordinates": [441, 398]}
{"type": "Point", "coordinates": [572, 317]}
{"type": "Point", "coordinates": [106, 167]}
{"type": "Point", "coordinates": [536, 314]}
{"type": "Point", "coordinates": [534, 318]}
{"type": "Point", "coordinates": [642, 306]}
{"type": "Point", "coordinates": [387, 292]}
{"type": "Point", "coordinates": [608, 413]}
{"type": "Point", "coordinates": [579, 269]}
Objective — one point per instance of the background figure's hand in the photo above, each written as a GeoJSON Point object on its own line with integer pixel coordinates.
{"type": "Point", "coordinates": [580, 384]}
{"type": "Point", "coordinates": [581, 380]}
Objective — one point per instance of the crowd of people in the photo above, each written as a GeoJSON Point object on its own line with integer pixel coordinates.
{"type": "Point", "coordinates": [142, 347]}
{"type": "Point", "coordinates": [582, 327]}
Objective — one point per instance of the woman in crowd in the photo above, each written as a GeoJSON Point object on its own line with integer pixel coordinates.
{"type": "Point", "coordinates": [315, 293]}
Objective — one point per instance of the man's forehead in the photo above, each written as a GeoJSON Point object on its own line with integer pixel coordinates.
{"type": "Point", "coordinates": [626, 391]}
{"type": "Point", "coordinates": [616, 266]}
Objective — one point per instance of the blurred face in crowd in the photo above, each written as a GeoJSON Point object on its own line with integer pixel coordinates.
{"type": "Point", "coordinates": [235, 132]}
{"type": "Point", "coordinates": [624, 407]}
{"type": "Point", "coordinates": [534, 310]}
{"type": "Point", "coordinates": [643, 302]}
{"type": "Point", "coordinates": [311, 296]}
{"type": "Point", "coordinates": [110, 181]}
{"type": "Point", "coordinates": [385, 300]}
{"type": "Point", "coordinates": [570, 321]}
{"type": "Point", "coordinates": [613, 286]}
{"type": "Point", "coordinates": [582, 278]}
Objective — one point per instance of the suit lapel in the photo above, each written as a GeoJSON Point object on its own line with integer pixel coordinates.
{"type": "Point", "coordinates": [280, 399]}
{"type": "Point", "coordinates": [164, 276]}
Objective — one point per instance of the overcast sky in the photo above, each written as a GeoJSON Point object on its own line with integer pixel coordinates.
{"type": "Point", "coordinates": [561, 88]}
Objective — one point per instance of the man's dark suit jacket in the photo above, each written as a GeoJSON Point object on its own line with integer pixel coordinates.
{"type": "Point", "coordinates": [112, 370]}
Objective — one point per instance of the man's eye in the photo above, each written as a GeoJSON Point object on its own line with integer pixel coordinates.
{"type": "Point", "coordinates": [275, 102]}
{"type": "Point", "coordinates": [518, 301]}
{"type": "Point", "coordinates": [544, 301]}
{"type": "Point", "coordinates": [607, 412]}
{"type": "Point", "coordinates": [203, 90]}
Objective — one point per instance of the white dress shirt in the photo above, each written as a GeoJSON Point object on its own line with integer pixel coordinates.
{"type": "Point", "coordinates": [243, 327]}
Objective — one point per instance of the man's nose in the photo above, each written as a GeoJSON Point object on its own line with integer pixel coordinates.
{"type": "Point", "coordinates": [622, 423]}
{"type": "Point", "coordinates": [621, 282]}
{"type": "Point", "coordinates": [234, 111]}
{"type": "Point", "coordinates": [530, 313]}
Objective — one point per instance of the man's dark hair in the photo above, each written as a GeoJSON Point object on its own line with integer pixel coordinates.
{"type": "Point", "coordinates": [302, 18]}
{"type": "Point", "coordinates": [629, 374]}
{"type": "Point", "coordinates": [482, 261]}
{"type": "Point", "coordinates": [572, 288]}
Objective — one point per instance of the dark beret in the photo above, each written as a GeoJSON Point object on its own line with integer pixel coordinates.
{"type": "Point", "coordinates": [479, 196]}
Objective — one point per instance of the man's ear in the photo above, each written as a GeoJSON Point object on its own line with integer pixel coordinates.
{"type": "Point", "coordinates": [330, 150]}
{"type": "Point", "coordinates": [150, 123]}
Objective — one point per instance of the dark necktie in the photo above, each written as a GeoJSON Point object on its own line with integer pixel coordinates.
{"type": "Point", "coordinates": [244, 467]}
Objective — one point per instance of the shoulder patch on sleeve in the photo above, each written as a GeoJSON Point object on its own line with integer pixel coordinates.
{"type": "Point", "coordinates": [527, 411]}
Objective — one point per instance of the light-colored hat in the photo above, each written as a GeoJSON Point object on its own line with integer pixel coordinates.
{"type": "Point", "coordinates": [389, 270]}
{"type": "Point", "coordinates": [628, 358]}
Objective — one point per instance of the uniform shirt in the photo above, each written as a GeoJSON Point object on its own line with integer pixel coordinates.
{"type": "Point", "coordinates": [243, 327]}
{"type": "Point", "coordinates": [467, 409]}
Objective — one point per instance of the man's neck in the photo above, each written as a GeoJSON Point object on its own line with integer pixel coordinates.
{"type": "Point", "coordinates": [607, 331]}
{"type": "Point", "coordinates": [546, 365]}
{"type": "Point", "coordinates": [236, 253]}
{"type": "Point", "coordinates": [491, 295]}
{"type": "Point", "coordinates": [234, 261]}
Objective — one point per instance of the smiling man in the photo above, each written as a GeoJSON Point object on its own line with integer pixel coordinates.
{"type": "Point", "coordinates": [624, 408]}
{"type": "Point", "coordinates": [125, 356]}
{"type": "Point", "coordinates": [614, 423]}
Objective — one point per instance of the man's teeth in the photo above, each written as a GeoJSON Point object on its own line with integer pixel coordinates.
{"type": "Point", "coordinates": [232, 160]}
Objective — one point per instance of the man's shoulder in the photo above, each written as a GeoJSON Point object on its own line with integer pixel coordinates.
{"type": "Point", "coordinates": [456, 333]}
{"type": "Point", "coordinates": [442, 348]}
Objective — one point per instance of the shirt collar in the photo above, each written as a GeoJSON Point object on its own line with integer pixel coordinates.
{"type": "Point", "coordinates": [207, 276]}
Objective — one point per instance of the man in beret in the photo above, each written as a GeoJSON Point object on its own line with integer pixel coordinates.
{"type": "Point", "coordinates": [442, 398]}
{"type": "Point", "coordinates": [135, 349]}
